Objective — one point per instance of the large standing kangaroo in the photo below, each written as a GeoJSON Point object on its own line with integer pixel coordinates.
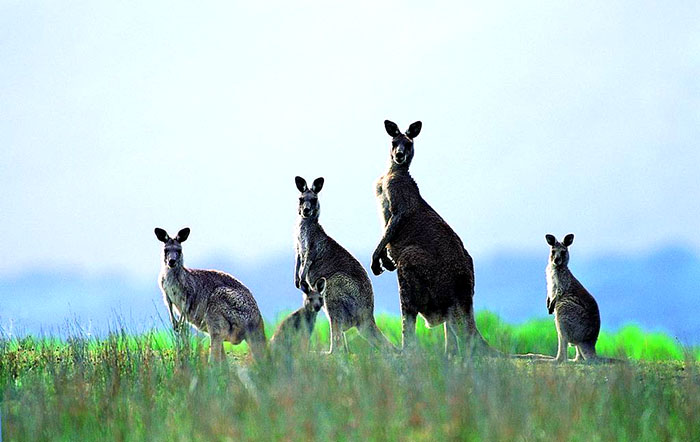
{"type": "Point", "coordinates": [348, 299]}
{"type": "Point", "coordinates": [435, 272]}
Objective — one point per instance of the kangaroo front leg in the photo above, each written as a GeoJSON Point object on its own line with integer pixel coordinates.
{"type": "Point", "coordinates": [180, 323]}
{"type": "Point", "coordinates": [297, 264]}
{"type": "Point", "coordinates": [386, 261]}
{"type": "Point", "coordinates": [173, 321]}
{"type": "Point", "coordinates": [551, 302]}
{"type": "Point", "coordinates": [392, 227]}
{"type": "Point", "coordinates": [304, 284]}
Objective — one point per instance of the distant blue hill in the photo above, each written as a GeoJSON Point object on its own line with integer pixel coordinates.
{"type": "Point", "coordinates": [659, 291]}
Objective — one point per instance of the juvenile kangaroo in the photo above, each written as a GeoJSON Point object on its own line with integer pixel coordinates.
{"type": "Point", "coordinates": [349, 300]}
{"type": "Point", "coordinates": [214, 302]}
{"type": "Point", "coordinates": [435, 272]}
{"type": "Point", "coordinates": [296, 329]}
{"type": "Point", "coordinates": [575, 311]}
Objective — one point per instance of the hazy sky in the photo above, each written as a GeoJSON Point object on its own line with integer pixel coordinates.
{"type": "Point", "coordinates": [116, 117]}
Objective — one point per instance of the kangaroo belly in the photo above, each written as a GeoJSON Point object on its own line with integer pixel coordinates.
{"type": "Point", "coordinates": [577, 322]}
{"type": "Point", "coordinates": [434, 318]}
{"type": "Point", "coordinates": [192, 315]}
{"type": "Point", "coordinates": [345, 301]}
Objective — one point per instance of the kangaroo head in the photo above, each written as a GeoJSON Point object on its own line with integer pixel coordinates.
{"type": "Point", "coordinates": [308, 200]}
{"type": "Point", "coordinates": [559, 255]}
{"type": "Point", "coordinates": [172, 247]}
{"type": "Point", "coordinates": [402, 144]}
{"type": "Point", "coordinates": [313, 297]}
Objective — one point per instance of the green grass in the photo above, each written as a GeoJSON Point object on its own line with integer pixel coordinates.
{"type": "Point", "coordinates": [157, 386]}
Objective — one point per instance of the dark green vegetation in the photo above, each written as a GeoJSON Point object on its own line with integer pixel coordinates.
{"type": "Point", "coordinates": [159, 387]}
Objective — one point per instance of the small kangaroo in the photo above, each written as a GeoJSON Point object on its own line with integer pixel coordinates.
{"type": "Point", "coordinates": [214, 302]}
{"type": "Point", "coordinates": [348, 300]}
{"type": "Point", "coordinates": [435, 272]}
{"type": "Point", "coordinates": [575, 311]}
{"type": "Point", "coordinates": [296, 328]}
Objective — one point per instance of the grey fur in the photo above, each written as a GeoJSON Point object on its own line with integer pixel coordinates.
{"type": "Point", "coordinates": [575, 310]}
{"type": "Point", "coordinates": [214, 302]}
{"type": "Point", "coordinates": [349, 300]}
{"type": "Point", "coordinates": [435, 272]}
{"type": "Point", "coordinates": [296, 329]}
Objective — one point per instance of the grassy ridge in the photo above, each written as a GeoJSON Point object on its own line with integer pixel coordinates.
{"type": "Point", "coordinates": [157, 386]}
{"type": "Point", "coordinates": [534, 336]}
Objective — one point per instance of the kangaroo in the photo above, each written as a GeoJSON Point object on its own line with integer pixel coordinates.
{"type": "Point", "coordinates": [434, 270]}
{"type": "Point", "coordinates": [575, 311]}
{"type": "Point", "coordinates": [213, 302]}
{"type": "Point", "coordinates": [348, 300]}
{"type": "Point", "coordinates": [298, 326]}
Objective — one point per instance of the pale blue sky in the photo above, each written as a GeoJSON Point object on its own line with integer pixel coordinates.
{"type": "Point", "coordinates": [116, 117]}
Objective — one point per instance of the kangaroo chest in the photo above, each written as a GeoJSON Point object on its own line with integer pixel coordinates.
{"type": "Point", "coordinates": [382, 195]}
{"type": "Point", "coordinates": [558, 283]}
{"type": "Point", "coordinates": [185, 300]}
{"type": "Point", "coordinates": [308, 240]}
{"type": "Point", "coordinates": [303, 240]}
{"type": "Point", "coordinates": [174, 291]}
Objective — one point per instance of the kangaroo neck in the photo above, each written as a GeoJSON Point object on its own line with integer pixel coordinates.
{"type": "Point", "coordinates": [173, 272]}
{"type": "Point", "coordinates": [399, 169]}
{"type": "Point", "coordinates": [560, 277]}
{"type": "Point", "coordinates": [310, 318]}
{"type": "Point", "coordinates": [309, 225]}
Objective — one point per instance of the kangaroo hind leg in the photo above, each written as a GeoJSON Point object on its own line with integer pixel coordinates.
{"type": "Point", "coordinates": [369, 330]}
{"type": "Point", "coordinates": [587, 350]}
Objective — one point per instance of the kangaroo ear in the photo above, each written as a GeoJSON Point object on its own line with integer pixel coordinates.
{"type": "Point", "coordinates": [317, 185]}
{"type": "Point", "coordinates": [301, 184]}
{"type": "Point", "coordinates": [414, 130]}
{"type": "Point", "coordinates": [161, 234]}
{"type": "Point", "coordinates": [568, 239]}
{"type": "Point", "coordinates": [182, 235]}
{"type": "Point", "coordinates": [551, 240]}
{"type": "Point", "coordinates": [391, 128]}
{"type": "Point", "coordinates": [321, 285]}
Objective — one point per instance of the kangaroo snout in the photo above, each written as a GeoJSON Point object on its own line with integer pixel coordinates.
{"type": "Point", "coordinates": [171, 262]}
{"type": "Point", "coordinates": [400, 154]}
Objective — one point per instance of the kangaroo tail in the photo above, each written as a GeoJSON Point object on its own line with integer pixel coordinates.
{"type": "Point", "coordinates": [602, 360]}
{"type": "Point", "coordinates": [477, 341]}
{"type": "Point", "coordinates": [370, 331]}
{"type": "Point", "coordinates": [531, 356]}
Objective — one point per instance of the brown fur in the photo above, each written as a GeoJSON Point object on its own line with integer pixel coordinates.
{"type": "Point", "coordinates": [576, 313]}
{"type": "Point", "coordinates": [349, 300]}
{"type": "Point", "coordinates": [296, 329]}
{"type": "Point", "coordinates": [213, 302]}
{"type": "Point", "coordinates": [435, 272]}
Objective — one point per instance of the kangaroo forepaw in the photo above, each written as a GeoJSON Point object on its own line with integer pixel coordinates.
{"type": "Point", "coordinates": [377, 266]}
{"type": "Point", "coordinates": [388, 263]}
